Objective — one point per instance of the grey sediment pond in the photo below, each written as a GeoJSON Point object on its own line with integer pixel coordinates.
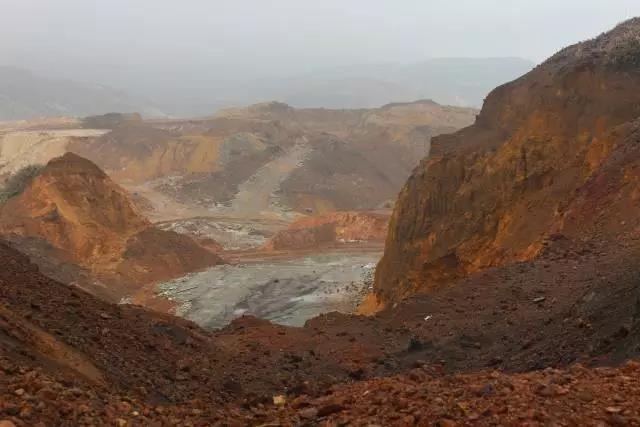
{"type": "Point", "coordinates": [286, 291]}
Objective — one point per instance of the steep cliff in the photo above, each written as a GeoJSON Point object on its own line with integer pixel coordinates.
{"type": "Point", "coordinates": [76, 208]}
{"type": "Point", "coordinates": [492, 193]}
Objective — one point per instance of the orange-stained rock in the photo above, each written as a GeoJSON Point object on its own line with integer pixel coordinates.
{"type": "Point", "coordinates": [491, 194]}
{"type": "Point", "coordinates": [370, 305]}
{"type": "Point", "coordinates": [333, 228]}
{"type": "Point", "coordinates": [76, 208]}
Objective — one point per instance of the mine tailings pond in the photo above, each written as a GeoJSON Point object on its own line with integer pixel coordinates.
{"type": "Point", "coordinates": [286, 290]}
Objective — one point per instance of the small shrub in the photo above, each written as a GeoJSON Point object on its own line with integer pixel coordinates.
{"type": "Point", "coordinates": [17, 182]}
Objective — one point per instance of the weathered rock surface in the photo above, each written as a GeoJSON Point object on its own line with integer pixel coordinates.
{"type": "Point", "coordinates": [544, 151]}
{"type": "Point", "coordinates": [67, 358]}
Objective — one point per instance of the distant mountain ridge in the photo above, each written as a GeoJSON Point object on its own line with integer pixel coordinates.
{"type": "Point", "coordinates": [26, 95]}
{"type": "Point", "coordinates": [462, 82]}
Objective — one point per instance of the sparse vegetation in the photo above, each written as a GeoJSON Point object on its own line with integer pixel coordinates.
{"type": "Point", "coordinates": [626, 55]}
{"type": "Point", "coordinates": [17, 182]}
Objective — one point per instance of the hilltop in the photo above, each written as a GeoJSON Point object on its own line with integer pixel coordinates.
{"type": "Point", "coordinates": [72, 206]}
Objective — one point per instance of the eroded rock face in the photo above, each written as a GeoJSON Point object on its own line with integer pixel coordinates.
{"type": "Point", "coordinates": [76, 208]}
{"type": "Point", "coordinates": [492, 193]}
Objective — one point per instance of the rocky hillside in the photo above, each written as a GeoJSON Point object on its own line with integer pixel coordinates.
{"type": "Point", "coordinates": [56, 337]}
{"type": "Point", "coordinates": [68, 358]}
{"type": "Point", "coordinates": [551, 154]}
{"type": "Point", "coordinates": [313, 159]}
{"type": "Point", "coordinates": [75, 208]}
{"type": "Point", "coordinates": [258, 161]}
{"type": "Point", "coordinates": [35, 142]}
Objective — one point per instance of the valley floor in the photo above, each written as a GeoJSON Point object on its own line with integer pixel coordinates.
{"type": "Point", "coordinates": [287, 286]}
{"type": "Point", "coordinates": [284, 288]}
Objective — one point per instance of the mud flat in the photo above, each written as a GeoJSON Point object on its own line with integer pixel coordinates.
{"type": "Point", "coordinates": [288, 291]}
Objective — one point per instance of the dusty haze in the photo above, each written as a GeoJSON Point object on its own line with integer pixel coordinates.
{"type": "Point", "coordinates": [193, 56]}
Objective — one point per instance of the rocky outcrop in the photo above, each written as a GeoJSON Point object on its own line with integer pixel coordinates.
{"type": "Point", "coordinates": [331, 229]}
{"type": "Point", "coordinates": [126, 363]}
{"type": "Point", "coordinates": [76, 208]}
{"type": "Point", "coordinates": [538, 159]}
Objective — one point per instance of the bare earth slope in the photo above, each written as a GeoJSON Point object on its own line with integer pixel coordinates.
{"type": "Point", "coordinates": [74, 207]}
{"type": "Point", "coordinates": [122, 362]}
{"type": "Point", "coordinates": [156, 361]}
{"type": "Point", "coordinates": [285, 158]}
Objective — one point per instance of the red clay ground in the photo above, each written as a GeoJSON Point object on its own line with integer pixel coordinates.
{"type": "Point", "coordinates": [574, 397]}
{"type": "Point", "coordinates": [167, 369]}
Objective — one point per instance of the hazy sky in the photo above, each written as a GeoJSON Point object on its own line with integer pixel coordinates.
{"type": "Point", "coordinates": [238, 36]}
{"type": "Point", "coordinates": [191, 56]}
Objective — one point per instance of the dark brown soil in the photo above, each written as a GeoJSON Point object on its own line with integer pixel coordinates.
{"type": "Point", "coordinates": [512, 319]}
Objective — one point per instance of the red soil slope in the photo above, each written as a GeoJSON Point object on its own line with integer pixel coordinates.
{"type": "Point", "coordinates": [74, 206]}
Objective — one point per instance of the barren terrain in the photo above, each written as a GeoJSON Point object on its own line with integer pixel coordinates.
{"type": "Point", "coordinates": [240, 183]}
{"type": "Point", "coordinates": [507, 293]}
